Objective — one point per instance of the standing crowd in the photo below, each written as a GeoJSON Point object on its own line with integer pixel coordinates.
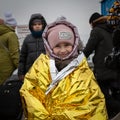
{"type": "Point", "coordinates": [58, 83]}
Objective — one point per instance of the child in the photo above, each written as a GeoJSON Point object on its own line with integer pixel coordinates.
{"type": "Point", "coordinates": [60, 85]}
{"type": "Point", "coordinates": [33, 44]}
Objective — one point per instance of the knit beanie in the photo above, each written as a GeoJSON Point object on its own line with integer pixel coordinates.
{"type": "Point", "coordinates": [36, 21]}
{"type": "Point", "coordinates": [94, 16]}
{"type": "Point", "coordinates": [60, 33]}
{"type": "Point", "coordinates": [9, 19]}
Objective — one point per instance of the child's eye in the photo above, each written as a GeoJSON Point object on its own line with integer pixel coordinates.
{"type": "Point", "coordinates": [57, 46]}
{"type": "Point", "coordinates": [67, 44]}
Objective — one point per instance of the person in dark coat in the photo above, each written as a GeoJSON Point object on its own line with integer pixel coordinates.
{"type": "Point", "coordinates": [33, 44]}
{"type": "Point", "coordinates": [100, 42]}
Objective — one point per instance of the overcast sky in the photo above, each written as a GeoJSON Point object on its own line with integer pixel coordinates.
{"type": "Point", "coordinates": [76, 11]}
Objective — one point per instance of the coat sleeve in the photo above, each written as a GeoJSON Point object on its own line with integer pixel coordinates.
{"type": "Point", "coordinates": [92, 43]}
{"type": "Point", "coordinates": [23, 57]}
{"type": "Point", "coordinates": [13, 46]}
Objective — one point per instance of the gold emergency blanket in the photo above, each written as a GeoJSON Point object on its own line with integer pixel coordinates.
{"type": "Point", "coordinates": [76, 97]}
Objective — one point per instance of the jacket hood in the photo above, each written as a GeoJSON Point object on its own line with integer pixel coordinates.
{"type": "Point", "coordinates": [4, 29]}
{"type": "Point", "coordinates": [37, 16]}
{"type": "Point", "coordinates": [77, 41]}
{"type": "Point", "coordinates": [100, 20]}
{"type": "Point", "coordinates": [102, 23]}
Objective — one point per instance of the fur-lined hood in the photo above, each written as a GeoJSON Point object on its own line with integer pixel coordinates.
{"type": "Point", "coordinates": [100, 20]}
{"type": "Point", "coordinates": [78, 45]}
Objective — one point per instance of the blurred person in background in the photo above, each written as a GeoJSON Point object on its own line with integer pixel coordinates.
{"type": "Point", "coordinates": [32, 45]}
{"type": "Point", "coordinates": [9, 47]}
{"type": "Point", "coordinates": [100, 42]}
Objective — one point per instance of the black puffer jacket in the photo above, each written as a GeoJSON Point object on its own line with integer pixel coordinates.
{"type": "Point", "coordinates": [32, 47]}
{"type": "Point", "coordinates": [100, 42]}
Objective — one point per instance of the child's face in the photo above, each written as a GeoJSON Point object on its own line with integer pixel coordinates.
{"type": "Point", "coordinates": [62, 50]}
{"type": "Point", "coordinates": [37, 26]}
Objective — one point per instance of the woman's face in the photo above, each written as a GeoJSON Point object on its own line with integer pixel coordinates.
{"type": "Point", "coordinates": [63, 49]}
{"type": "Point", "coordinates": [37, 26]}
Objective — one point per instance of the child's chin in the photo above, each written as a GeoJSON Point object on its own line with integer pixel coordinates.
{"type": "Point", "coordinates": [62, 57]}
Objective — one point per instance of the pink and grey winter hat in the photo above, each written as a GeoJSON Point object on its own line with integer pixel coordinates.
{"type": "Point", "coordinates": [60, 33]}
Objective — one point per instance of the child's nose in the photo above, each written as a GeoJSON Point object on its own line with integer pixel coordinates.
{"type": "Point", "coordinates": [63, 49]}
